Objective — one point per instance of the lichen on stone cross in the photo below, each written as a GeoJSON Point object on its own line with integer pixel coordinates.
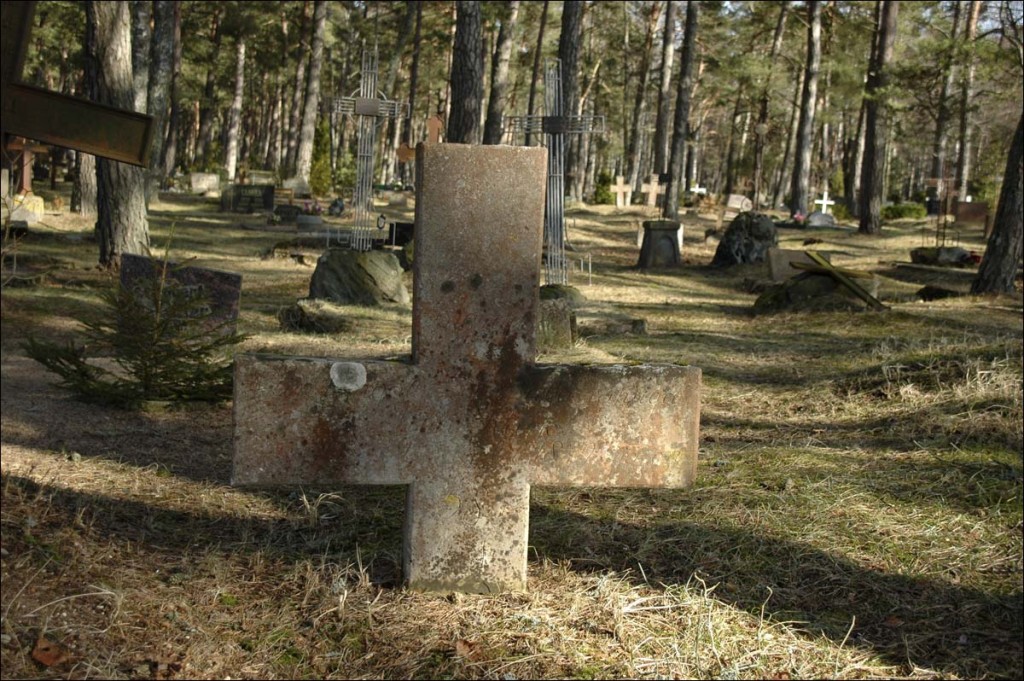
{"type": "Point", "coordinates": [471, 423]}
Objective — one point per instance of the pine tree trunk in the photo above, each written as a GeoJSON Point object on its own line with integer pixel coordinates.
{"type": "Point", "coordinates": [939, 171]}
{"type": "Point", "coordinates": [409, 169]}
{"type": "Point", "coordinates": [854, 161]}
{"type": "Point", "coordinates": [298, 91]}
{"type": "Point", "coordinates": [121, 225]}
{"type": "Point", "coordinates": [170, 149]}
{"type": "Point", "coordinates": [799, 189]}
{"type": "Point", "coordinates": [998, 269]}
{"type": "Point", "coordinates": [569, 54]}
{"type": "Point", "coordinates": [161, 64]}
{"type": "Point", "coordinates": [208, 105]}
{"type": "Point", "coordinates": [499, 75]}
{"type": "Point", "coordinates": [963, 161]}
{"type": "Point", "coordinates": [142, 11]}
{"type": "Point", "coordinates": [761, 128]}
{"type": "Point", "coordinates": [876, 130]}
{"type": "Point", "coordinates": [531, 106]}
{"type": "Point", "coordinates": [304, 157]}
{"type": "Point", "coordinates": [661, 123]}
{"type": "Point", "coordinates": [235, 114]}
{"type": "Point", "coordinates": [272, 159]}
{"type": "Point", "coordinates": [794, 122]}
{"type": "Point", "coordinates": [83, 191]}
{"type": "Point", "coordinates": [634, 151]}
{"type": "Point", "coordinates": [681, 119]}
{"type": "Point", "coordinates": [467, 79]}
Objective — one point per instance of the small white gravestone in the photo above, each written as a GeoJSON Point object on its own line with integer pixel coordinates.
{"type": "Point", "coordinates": [204, 182]}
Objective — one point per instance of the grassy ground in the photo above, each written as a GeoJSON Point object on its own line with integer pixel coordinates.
{"type": "Point", "coordinates": [857, 513]}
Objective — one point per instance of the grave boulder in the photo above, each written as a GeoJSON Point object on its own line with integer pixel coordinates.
{"type": "Point", "coordinates": [747, 240]}
{"type": "Point", "coordinates": [563, 292]}
{"type": "Point", "coordinates": [819, 219]}
{"type": "Point", "coordinates": [368, 278]}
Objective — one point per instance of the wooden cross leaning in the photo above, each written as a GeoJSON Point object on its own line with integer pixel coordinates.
{"type": "Point", "coordinates": [58, 119]}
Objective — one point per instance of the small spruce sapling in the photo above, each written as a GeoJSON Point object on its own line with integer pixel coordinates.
{"type": "Point", "coordinates": [163, 339]}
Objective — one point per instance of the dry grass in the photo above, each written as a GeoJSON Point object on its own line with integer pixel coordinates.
{"type": "Point", "coordinates": [858, 511]}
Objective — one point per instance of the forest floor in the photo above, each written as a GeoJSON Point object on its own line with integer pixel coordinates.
{"type": "Point", "coordinates": [857, 511]}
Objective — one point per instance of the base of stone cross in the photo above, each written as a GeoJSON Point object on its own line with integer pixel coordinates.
{"type": "Point", "coordinates": [661, 244]}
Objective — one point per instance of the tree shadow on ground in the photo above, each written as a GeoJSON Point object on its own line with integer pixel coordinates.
{"type": "Point", "coordinates": [929, 622]}
{"type": "Point", "coordinates": [924, 622]}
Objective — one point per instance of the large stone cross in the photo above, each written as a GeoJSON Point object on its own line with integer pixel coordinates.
{"type": "Point", "coordinates": [471, 422]}
{"type": "Point", "coordinates": [370, 110]}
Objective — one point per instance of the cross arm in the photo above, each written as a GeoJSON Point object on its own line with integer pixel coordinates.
{"type": "Point", "coordinates": [302, 421]}
{"type": "Point", "coordinates": [612, 426]}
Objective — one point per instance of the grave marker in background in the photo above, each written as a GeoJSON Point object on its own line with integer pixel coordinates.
{"type": "Point", "coordinates": [370, 109]}
{"type": "Point", "coordinates": [222, 290]}
{"type": "Point", "coordinates": [473, 422]}
{"type": "Point", "coordinates": [623, 192]}
{"type": "Point", "coordinates": [248, 198]}
{"type": "Point", "coordinates": [555, 125]}
{"type": "Point", "coordinates": [652, 189]}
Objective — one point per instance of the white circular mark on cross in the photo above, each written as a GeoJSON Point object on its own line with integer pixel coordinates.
{"type": "Point", "coordinates": [348, 376]}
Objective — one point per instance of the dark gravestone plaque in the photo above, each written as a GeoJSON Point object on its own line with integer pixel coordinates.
{"type": "Point", "coordinates": [286, 212]}
{"type": "Point", "coordinates": [220, 291]}
{"type": "Point", "coordinates": [248, 198]}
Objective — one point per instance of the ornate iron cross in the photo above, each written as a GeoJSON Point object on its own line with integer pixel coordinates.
{"type": "Point", "coordinates": [556, 125]}
{"type": "Point", "coordinates": [371, 109]}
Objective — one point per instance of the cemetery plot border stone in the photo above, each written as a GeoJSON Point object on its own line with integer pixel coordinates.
{"type": "Point", "coordinates": [556, 325]}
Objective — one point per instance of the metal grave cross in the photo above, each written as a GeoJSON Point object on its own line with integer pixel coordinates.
{"type": "Point", "coordinates": [58, 119]}
{"type": "Point", "coordinates": [371, 110]}
{"type": "Point", "coordinates": [556, 125]}
{"type": "Point", "coordinates": [824, 202]}
{"type": "Point", "coordinates": [652, 189]}
{"type": "Point", "coordinates": [623, 192]}
{"type": "Point", "coordinates": [474, 423]}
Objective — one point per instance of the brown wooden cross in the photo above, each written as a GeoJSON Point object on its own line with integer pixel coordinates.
{"type": "Point", "coordinates": [57, 119]}
{"type": "Point", "coordinates": [471, 423]}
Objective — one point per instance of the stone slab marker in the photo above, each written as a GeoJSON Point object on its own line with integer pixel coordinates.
{"type": "Point", "coordinates": [471, 423]}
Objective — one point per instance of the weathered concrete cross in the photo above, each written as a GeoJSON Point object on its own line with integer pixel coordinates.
{"type": "Point", "coordinates": [623, 192]}
{"type": "Point", "coordinates": [652, 189]}
{"type": "Point", "coordinates": [472, 422]}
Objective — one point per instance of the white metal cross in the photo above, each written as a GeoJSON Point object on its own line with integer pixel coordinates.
{"type": "Point", "coordinates": [824, 202]}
